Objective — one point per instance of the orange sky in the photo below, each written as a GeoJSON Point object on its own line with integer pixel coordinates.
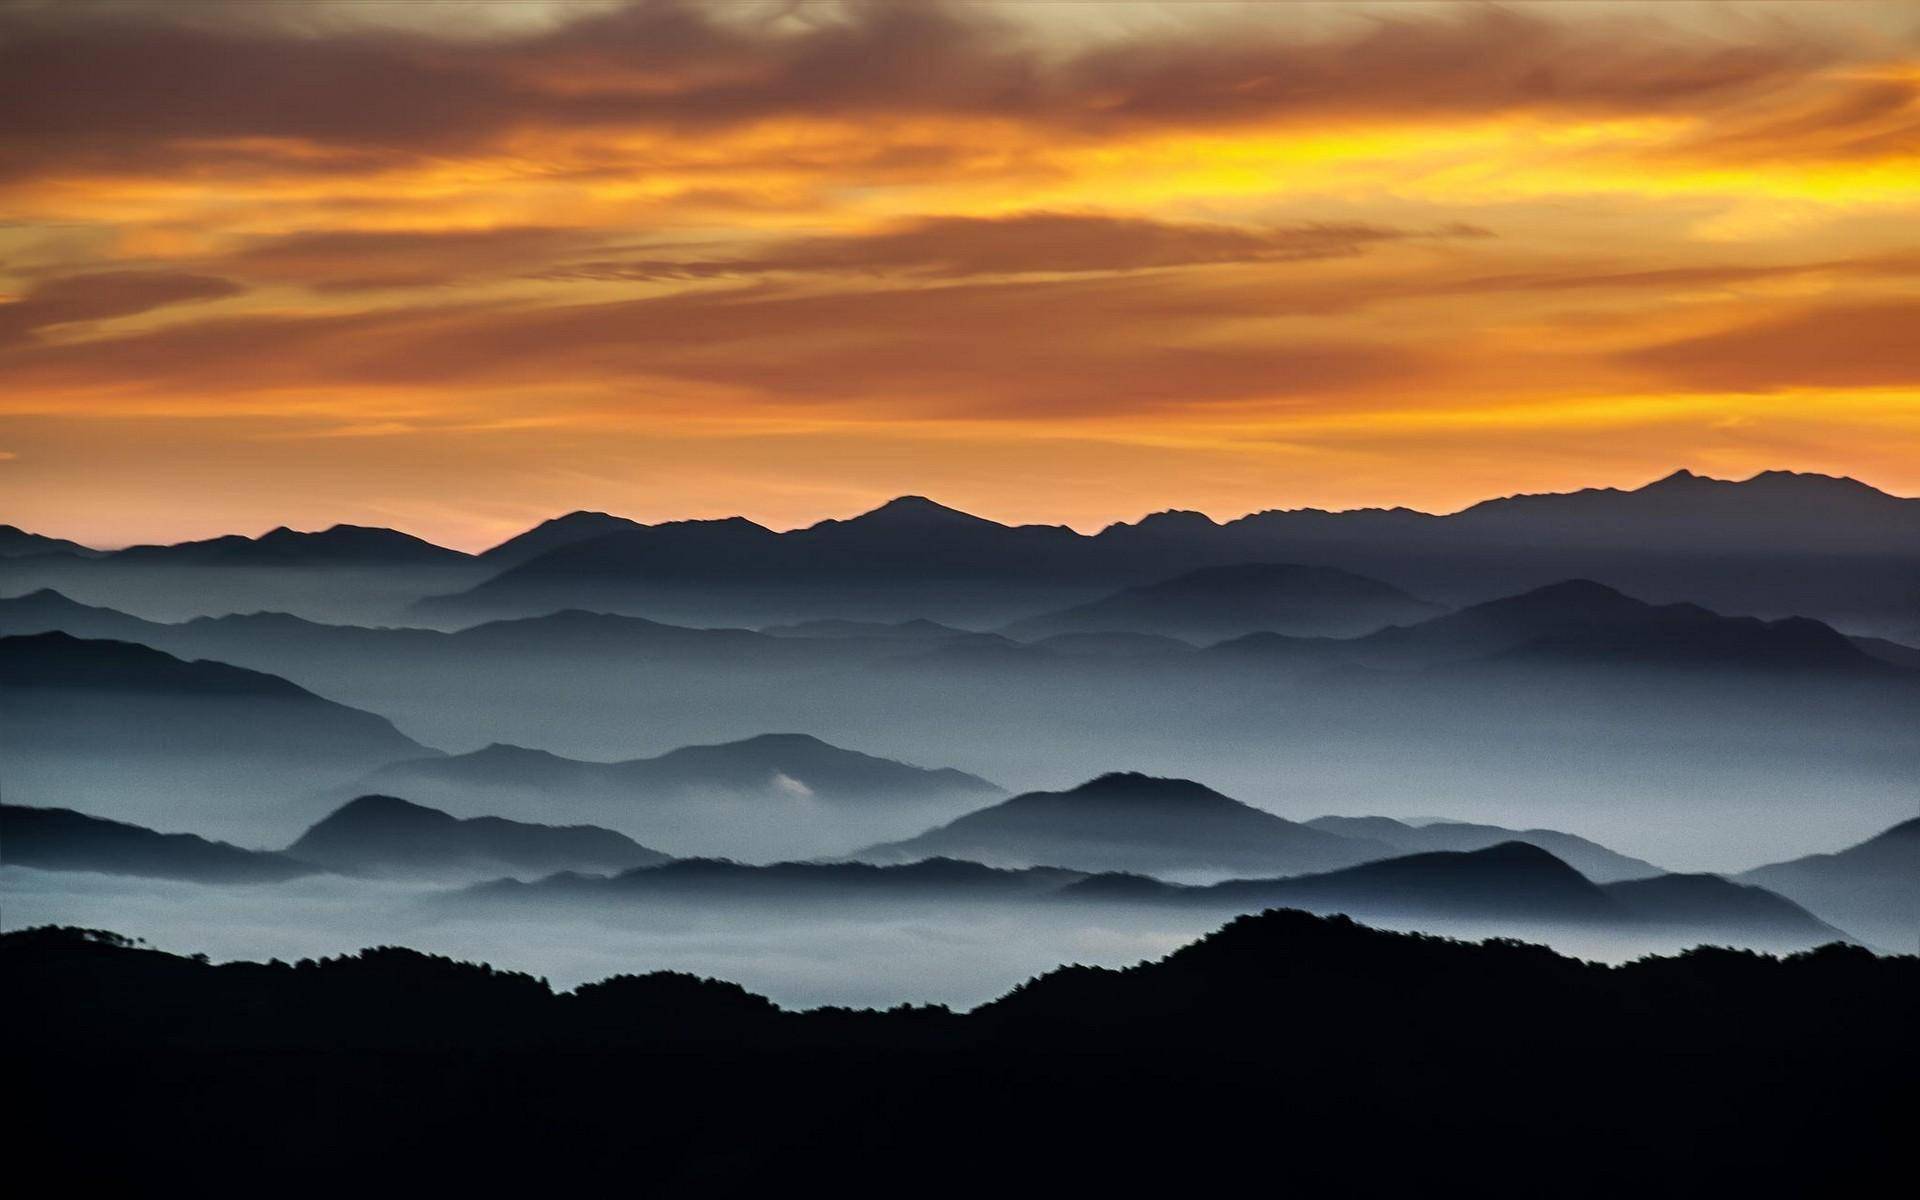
{"type": "Point", "coordinates": [459, 267]}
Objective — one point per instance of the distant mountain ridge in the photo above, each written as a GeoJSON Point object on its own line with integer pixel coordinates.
{"type": "Point", "coordinates": [59, 839]}
{"type": "Point", "coordinates": [133, 732]}
{"type": "Point", "coordinates": [337, 545]}
{"type": "Point", "coordinates": [16, 542]}
{"type": "Point", "coordinates": [1684, 536]}
{"type": "Point", "coordinates": [1215, 603]}
{"type": "Point", "coordinates": [772, 795]}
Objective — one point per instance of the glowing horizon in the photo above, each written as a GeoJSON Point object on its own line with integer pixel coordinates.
{"type": "Point", "coordinates": [337, 263]}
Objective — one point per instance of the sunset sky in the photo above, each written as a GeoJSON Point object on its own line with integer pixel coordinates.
{"type": "Point", "coordinates": [459, 267]}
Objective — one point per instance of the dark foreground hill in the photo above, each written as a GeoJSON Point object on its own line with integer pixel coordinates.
{"type": "Point", "coordinates": [1349, 1060]}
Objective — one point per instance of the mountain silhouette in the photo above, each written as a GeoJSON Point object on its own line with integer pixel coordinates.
{"type": "Point", "coordinates": [1710, 908]}
{"type": "Point", "coordinates": [16, 542]}
{"type": "Point", "coordinates": [1776, 544]}
{"type": "Point", "coordinates": [938, 882]}
{"type": "Point", "coordinates": [553, 534]}
{"type": "Point", "coordinates": [59, 839]}
{"type": "Point", "coordinates": [1430, 1039]}
{"type": "Point", "coordinates": [1591, 859]}
{"type": "Point", "coordinates": [1216, 603]}
{"type": "Point", "coordinates": [339, 545]}
{"type": "Point", "coordinates": [1130, 822]}
{"type": "Point", "coordinates": [1871, 889]}
{"type": "Point", "coordinates": [383, 835]}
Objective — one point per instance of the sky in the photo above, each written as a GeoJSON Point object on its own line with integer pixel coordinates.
{"type": "Point", "coordinates": [459, 267]}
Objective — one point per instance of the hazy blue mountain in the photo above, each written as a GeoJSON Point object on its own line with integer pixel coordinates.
{"type": "Point", "coordinates": [1713, 909]}
{"type": "Point", "coordinates": [1511, 887]}
{"type": "Point", "coordinates": [851, 887]}
{"type": "Point", "coordinates": [1510, 881]}
{"type": "Point", "coordinates": [383, 835]}
{"type": "Point", "coordinates": [59, 839]}
{"type": "Point", "coordinates": [1113, 645]}
{"type": "Point", "coordinates": [774, 795]}
{"type": "Point", "coordinates": [1589, 858]}
{"type": "Point", "coordinates": [917, 629]}
{"type": "Point", "coordinates": [129, 731]}
{"type": "Point", "coordinates": [1130, 822]}
{"type": "Point", "coordinates": [1216, 603]}
{"type": "Point", "coordinates": [1897, 653]}
{"type": "Point", "coordinates": [1871, 889]}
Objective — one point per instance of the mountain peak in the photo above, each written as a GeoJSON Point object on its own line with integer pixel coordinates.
{"type": "Point", "coordinates": [917, 510]}
{"type": "Point", "coordinates": [1680, 478]}
{"type": "Point", "coordinates": [1140, 787]}
{"type": "Point", "coordinates": [377, 807]}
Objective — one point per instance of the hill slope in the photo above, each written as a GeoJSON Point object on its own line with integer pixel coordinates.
{"type": "Point", "coordinates": [382, 835]}
{"type": "Point", "coordinates": [1215, 603]}
{"type": "Point", "coordinates": [1130, 822]}
{"type": "Point", "coordinates": [1871, 889]}
{"type": "Point", "coordinates": [59, 839]}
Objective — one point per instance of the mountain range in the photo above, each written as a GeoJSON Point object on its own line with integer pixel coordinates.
{"type": "Point", "coordinates": [1508, 887]}
{"type": "Point", "coordinates": [92, 722]}
{"type": "Point", "coordinates": [1217, 603]}
{"type": "Point", "coordinates": [1781, 543]}
{"type": "Point", "coordinates": [767, 796]}
{"type": "Point", "coordinates": [369, 836]}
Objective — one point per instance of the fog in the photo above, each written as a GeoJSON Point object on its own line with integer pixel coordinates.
{"type": "Point", "coordinates": [874, 955]}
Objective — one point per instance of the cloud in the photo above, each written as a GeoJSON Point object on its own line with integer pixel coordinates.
{"type": "Point", "coordinates": [945, 247]}
{"type": "Point", "coordinates": [1870, 344]}
{"type": "Point", "coordinates": [354, 260]}
{"type": "Point", "coordinates": [367, 98]}
{"type": "Point", "coordinates": [1085, 346]}
{"type": "Point", "coordinates": [102, 295]}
